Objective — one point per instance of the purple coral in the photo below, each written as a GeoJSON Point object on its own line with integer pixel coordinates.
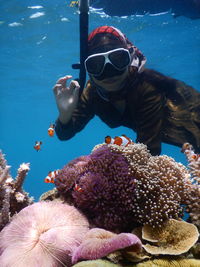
{"type": "Point", "coordinates": [42, 234]}
{"type": "Point", "coordinates": [99, 243]}
{"type": "Point", "coordinates": [119, 187]}
{"type": "Point", "coordinates": [107, 188]}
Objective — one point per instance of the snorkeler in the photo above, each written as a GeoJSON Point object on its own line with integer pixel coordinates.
{"type": "Point", "coordinates": [122, 92]}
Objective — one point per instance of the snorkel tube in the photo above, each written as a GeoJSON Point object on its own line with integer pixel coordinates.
{"type": "Point", "coordinates": [83, 29]}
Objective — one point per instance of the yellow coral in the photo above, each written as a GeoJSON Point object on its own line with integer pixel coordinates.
{"type": "Point", "coordinates": [169, 263]}
{"type": "Point", "coordinates": [173, 238]}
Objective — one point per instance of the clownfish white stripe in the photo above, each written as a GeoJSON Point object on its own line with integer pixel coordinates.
{"type": "Point", "coordinates": [125, 141]}
{"type": "Point", "coordinates": [78, 188]}
{"type": "Point", "coordinates": [51, 176]}
{"type": "Point", "coordinates": [122, 140]}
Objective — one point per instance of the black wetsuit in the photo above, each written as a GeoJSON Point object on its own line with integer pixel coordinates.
{"type": "Point", "coordinates": [158, 108]}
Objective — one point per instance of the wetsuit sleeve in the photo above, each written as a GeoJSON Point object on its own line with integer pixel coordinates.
{"type": "Point", "coordinates": [80, 117]}
{"type": "Point", "coordinates": [150, 117]}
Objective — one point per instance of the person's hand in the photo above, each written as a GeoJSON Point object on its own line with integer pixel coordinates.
{"type": "Point", "coordinates": [66, 97]}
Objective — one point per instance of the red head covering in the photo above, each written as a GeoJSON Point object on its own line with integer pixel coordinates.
{"type": "Point", "coordinates": [106, 29]}
{"type": "Point", "coordinates": [109, 29]}
{"type": "Point", "coordinates": [139, 60]}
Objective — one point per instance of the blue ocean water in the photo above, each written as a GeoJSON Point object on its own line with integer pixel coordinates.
{"type": "Point", "coordinates": [39, 43]}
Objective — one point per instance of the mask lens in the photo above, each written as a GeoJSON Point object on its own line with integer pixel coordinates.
{"type": "Point", "coordinates": [120, 59]}
{"type": "Point", "coordinates": [94, 65]}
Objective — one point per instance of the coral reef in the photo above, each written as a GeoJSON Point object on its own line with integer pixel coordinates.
{"type": "Point", "coordinates": [164, 262]}
{"type": "Point", "coordinates": [51, 195]}
{"type": "Point", "coordinates": [195, 251]}
{"type": "Point", "coordinates": [98, 243]}
{"type": "Point", "coordinates": [42, 234]}
{"type": "Point", "coordinates": [107, 188]}
{"type": "Point", "coordinates": [193, 162]}
{"type": "Point", "coordinates": [122, 187]}
{"type": "Point", "coordinates": [96, 263]}
{"type": "Point", "coordinates": [162, 185]}
{"type": "Point", "coordinates": [193, 205]}
{"type": "Point", "coordinates": [12, 196]}
{"type": "Point", "coordinates": [118, 188]}
{"type": "Point", "coordinates": [169, 262]}
{"type": "Point", "coordinates": [173, 238]}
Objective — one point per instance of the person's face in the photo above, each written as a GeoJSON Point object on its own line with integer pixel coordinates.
{"type": "Point", "coordinates": [111, 79]}
{"type": "Point", "coordinates": [106, 45]}
{"type": "Point", "coordinates": [113, 83]}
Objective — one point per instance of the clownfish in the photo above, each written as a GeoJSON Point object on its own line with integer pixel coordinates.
{"type": "Point", "coordinates": [50, 178]}
{"type": "Point", "coordinates": [195, 156]}
{"type": "Point", "coordinates": [122, 140]}
{"type": "Point", "coordinates": [37, 145]}
{"type": "Point", "coordinates": [51, 130]}
{"type": "Point", "coordinates": [77, 188]}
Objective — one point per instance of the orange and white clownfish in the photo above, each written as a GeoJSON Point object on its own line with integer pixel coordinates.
{"type": "Point", "coordinates": [50, 178]}
{"type": "Point", "coordinates": [51, 130]}
{"type": "Point", "coordinates": [122, 140]}
{"type": "Point", "coordinates": [77, 188]}
{"type": "Point", "coordinates": [195, 156]}
{"type": "Point", "coordinates": [37, 145]}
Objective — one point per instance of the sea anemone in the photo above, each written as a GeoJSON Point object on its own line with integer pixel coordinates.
{"type": "Point", "coordinates": [162, 185]}
{"type": "Point", "coordinates": [107, 188]}
{"type": "Point", "coordinates": [121, 187]}
{"type": "Point", "coordinates": [99, 243]}
{"type": "Point", "coordinates": [42, 234]}
{"type": "Point", "coordinates": [66, 177]}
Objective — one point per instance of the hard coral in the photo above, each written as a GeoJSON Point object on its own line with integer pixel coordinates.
{"type": "Point", "coordinates": [168, 262]}
{"type": "Point", "coordinates": [173, 238]}
{"type": "Point", "coordinates": [42, 234]}
{"type": "Point", "coordinates": [12, 196]}
{"type": "Point", "coordinates": [96, 263]}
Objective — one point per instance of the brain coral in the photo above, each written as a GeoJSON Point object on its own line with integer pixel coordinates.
{"type": "Point", "coordinates": [124, 186]}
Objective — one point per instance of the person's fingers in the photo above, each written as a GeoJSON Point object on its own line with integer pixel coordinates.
{"type": "Point", "coordinates": [63, 80]}
{"type": "Point", "coordinates": [73, 86]}
{"type": "Point", "coordinates": [57, 89]}
{"type": "Point", "coordinates": [61, 84]}
{"type": "Point", "coordinates": [74, 97]}
{"type": "Point", "coordinates": [76, 92]}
